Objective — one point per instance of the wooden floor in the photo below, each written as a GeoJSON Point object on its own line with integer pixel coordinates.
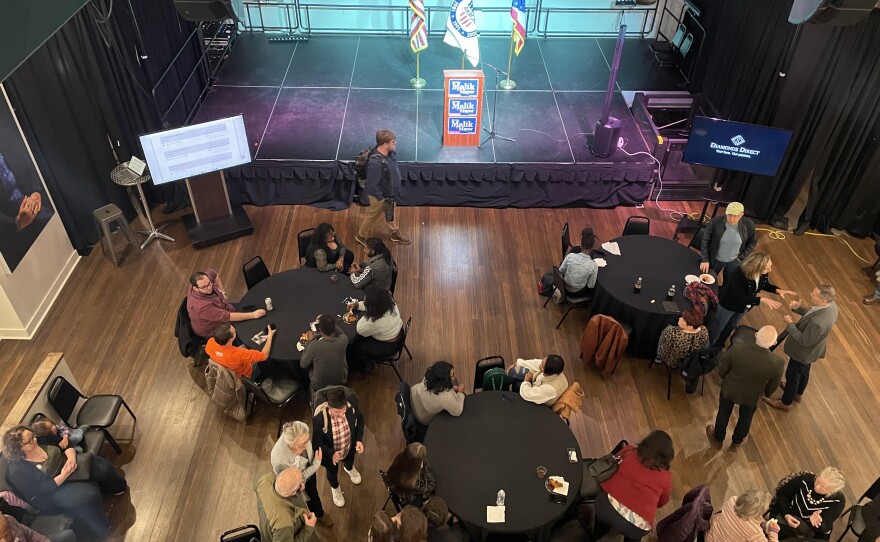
{"type": "Point", "coordinates": [468, 281]}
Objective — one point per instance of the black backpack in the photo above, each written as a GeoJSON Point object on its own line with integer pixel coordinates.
{"type": "Point", "coordinates": [360, 165]}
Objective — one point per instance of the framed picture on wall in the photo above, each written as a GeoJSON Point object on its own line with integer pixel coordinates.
{"type": "Point", "coordinates": [25, 207]}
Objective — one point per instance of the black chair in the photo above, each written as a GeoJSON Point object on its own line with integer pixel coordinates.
{"type": "Point", "coordinates": [637, 225]}
{"type": "Point", "coordinates": [395, 500]}
{"type": "Point", "coordinates": [676, 57]}
{"type": "Point", "coordinates": [189, 344]}
{"type": "Point", "coordinates": [98, 411]}
{"type": "Point", "coordinates": [401, 346]}
{"type": "Point", "coordinates": [856, 520]}
{"type": "Point", "coordinates": [496, 379]}
{"type": "Point", "coordinates": [571, 302]}
{"type": "Point", "coordinates": [279, 394]}
{"type": "Point", "coordinates": [413, 431]}
{"type": "Point", "coordinates": [393, 277]}
{"type": "Point", "coordinates": [254, 271]}
{"type": "Point", "coordinates": [566, 240]}
{"type": "Point", "coordinates": [672, 45]}
{"type": "Point", "coordinates": [483, 365]}
{"type": "Point", "coordinates": [303, 240]}
{"type": "Point", "coordinates": [697, 240]}
{"type": "Point", "coordinates": [246, 533]}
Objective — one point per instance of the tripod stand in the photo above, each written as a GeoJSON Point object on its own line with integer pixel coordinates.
{"type": "Point", "coordinates": [491, 129]}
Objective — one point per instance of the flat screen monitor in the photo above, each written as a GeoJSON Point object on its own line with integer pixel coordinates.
{"type": "Point", "coordinates": [735, 145]}
{"type": "Point", "coordinates": [193, 150]}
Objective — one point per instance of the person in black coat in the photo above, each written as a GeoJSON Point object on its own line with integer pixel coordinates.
{"type": "Point", "coordinates": [871, 516]}
{"type": "Point", "coordinates": [806, 504]}
{"type": "Point", "coordinates": [727, 240]}
{"type": "Point", "coordinates": [338, 431]}
{"type": "Point", "coordinates": [740, 293]}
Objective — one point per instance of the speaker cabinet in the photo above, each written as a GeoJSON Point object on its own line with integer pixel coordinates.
{"type": "Point", "coordinates": [605, 137]}
{"type": "Point", "coordinates": [205, 10]}
{"type": "Point", "coordinates": [833, 12]}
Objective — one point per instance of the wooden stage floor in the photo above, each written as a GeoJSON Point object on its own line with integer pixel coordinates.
{"type": "Point", "coordinates": [468, 281]}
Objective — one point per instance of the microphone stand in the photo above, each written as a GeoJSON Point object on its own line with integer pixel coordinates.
{"type": "Point", "coordinates": [492, 133]}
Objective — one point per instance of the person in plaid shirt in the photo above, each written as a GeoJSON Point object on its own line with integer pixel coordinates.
{"type": "Point", "coordinates": [338, 432]}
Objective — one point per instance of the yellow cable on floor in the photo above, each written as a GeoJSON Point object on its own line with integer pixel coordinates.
{"type": "Point", "coordinates": [780, 235]}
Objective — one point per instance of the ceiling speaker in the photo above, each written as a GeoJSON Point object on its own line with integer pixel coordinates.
{"type": "Point", "coordinates": [834, 12]}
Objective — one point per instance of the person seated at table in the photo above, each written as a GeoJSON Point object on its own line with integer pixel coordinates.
{"type": "Point", "coordinates": [741, 518]}
{"type": "Point", "coordinates": [727, 240]}
{"type": "Point", "coordinates": [378, 330]}
{"type": "Point", "coordinates": [208, 307]}
{"type": "Point", "coordinates": [324, 358]}
{"type": "Point", "coordinates": [676, 342]}
{"type": "Point", "coordinates": [40, 475]}
{"type": "Point", "coordinates": [629, 500]}
{"type": "Point", "coordinates": [439, 391]}
{"type": "Point", "coordinates": [377, 270]}
{"type": "Point", "coordinates": [740, 293]}
{"type": "Point", "coordinates": [294, 449]}
{"type": "Point", "coordinates": [238, 359]}
{"type": "Point", "coordinates": [539, 380]}
{"type": "Point", "coordinates": [439, 528]}
{"type": "Point", "coordinates": [807, 505]}
{"type": "Point", "coordinates": [409, 476]}
{"type": "Point", "coordinates": [382, 529]}
{"type": "Point", "coordinates": [326, 252]}
{"type": "Point", "coordinates": [578, 269]}
{"type": "Point", "coordinates": [411, 524]}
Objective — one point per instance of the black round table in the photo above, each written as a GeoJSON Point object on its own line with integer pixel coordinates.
{"type": "Point", "coordinates": [661, 263]}
{"type": "Point", "coordinates": [298, 296]}
{"type": "Point", "coordinates": [496, 444]}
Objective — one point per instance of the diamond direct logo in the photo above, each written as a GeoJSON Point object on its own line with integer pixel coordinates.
{"type": "Point", "coordinates": [738, 140]}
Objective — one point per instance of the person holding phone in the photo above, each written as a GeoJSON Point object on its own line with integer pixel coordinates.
{"type": "Point", "coordinates": [806, 504]}
{"type": "Point", "coordinates": [238, 359]}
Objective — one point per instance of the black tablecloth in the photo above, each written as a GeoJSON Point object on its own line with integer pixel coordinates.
{"type": "Point", "coordinates": [496, 444]}
{"type": "Point", "coordinates": [661, 263]}
{"type": "Point", "coordinates": [298, 296]}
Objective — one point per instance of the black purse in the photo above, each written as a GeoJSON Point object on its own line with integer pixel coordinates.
{"type": "Point", "coordinates": [604, 468]}
{"type": "Point", "coordinates": [83, 472]}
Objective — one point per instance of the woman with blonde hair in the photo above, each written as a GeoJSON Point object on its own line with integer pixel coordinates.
{"type": "Point", "coordinates": [409, 477]}
{"type": "Point", "coordinates": [740, 293]}
{"type": "Point", "coordinates": [294, 449]}
{"type": "Point", "coordinates": [741, 519]}
{"type": "Point", "coordinates": [806, 504]}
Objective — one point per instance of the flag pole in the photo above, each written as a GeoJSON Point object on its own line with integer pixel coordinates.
{"type": "Point", "coordinates": [462, 60]}
{"type": "Point", "coordinates": [417, 82]}
{"type": "Point", "coordinates": [509, 84]}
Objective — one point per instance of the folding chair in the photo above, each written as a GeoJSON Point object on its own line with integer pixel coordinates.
{"type": "Point", "coordinates": [482, 366]}
{"type": "Point", "coordinates": [254, 271]}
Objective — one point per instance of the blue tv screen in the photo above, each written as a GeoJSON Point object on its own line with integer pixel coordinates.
{"type": "Point", "coordinates": [737, 146]}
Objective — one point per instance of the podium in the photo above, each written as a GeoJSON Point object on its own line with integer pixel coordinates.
{"type": "Point", "coordinates": [462, 107]}
{"type": "Point", "coordinates": [213, 220]}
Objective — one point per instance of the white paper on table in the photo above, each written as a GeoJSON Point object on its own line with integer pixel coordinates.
{"type": "Point", "coordinates": [494, 514]}
{"type": "Point", "coordinates": [600, 262]}
{"type": "Point", "coordinates": [563, 490]}
{"type": "Point", "coordinates": [611, 247]}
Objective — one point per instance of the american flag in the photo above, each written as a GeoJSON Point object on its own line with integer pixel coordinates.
{"type": "Point", "coordinates": [518, 14]}
{"type": "Point", "coordinates": [418, 34]}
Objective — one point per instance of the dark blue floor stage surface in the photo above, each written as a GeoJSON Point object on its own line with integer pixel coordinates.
{"type": "Point", "coordinates": [309, 107]}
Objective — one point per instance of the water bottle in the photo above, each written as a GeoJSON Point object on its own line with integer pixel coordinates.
{"type": "Point", "coordinates": [268, 303]}
{"type": "Point", "coordinates": [499, 501]}
{"type": "Point", "coordinates": [670, 293]}
{"type": "Point", "coordinates": [638, 287]}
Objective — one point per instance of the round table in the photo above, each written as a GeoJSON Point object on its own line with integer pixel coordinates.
{"type": "Point", "coordinates": [497, 444]}
{"type": "Point", "coordinates": [661, 263]}
{"type": "Point", "coordinates": [298, 296]}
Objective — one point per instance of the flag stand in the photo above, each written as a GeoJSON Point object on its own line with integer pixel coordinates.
{"type": "Point", "coordinates": [509, 84]}
{"type": "Point", "coordinates": [417, 82]}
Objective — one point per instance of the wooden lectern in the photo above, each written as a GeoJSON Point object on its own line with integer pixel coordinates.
{"type": "Point", "coordinates": [214, 220]}
{"type": "Point", "coordinates": [462, 107]}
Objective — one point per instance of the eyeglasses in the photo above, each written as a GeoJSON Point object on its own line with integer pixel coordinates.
{"type": "Point", "coordinates": [206, 287]}
{"type": "Point", "coordinates": [25, 443]}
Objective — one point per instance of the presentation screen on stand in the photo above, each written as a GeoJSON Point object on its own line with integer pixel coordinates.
{"type": "Point", "coordinates": [737, 146]}
{"type": "Point", "coordinates": [193, 150]}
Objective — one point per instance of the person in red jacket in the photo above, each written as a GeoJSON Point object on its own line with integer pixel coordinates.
{"type": "Point", "coordinates": [629, 499]}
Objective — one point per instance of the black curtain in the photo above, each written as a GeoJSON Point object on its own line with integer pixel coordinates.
{"type": "Point", "coordinates": [85, 94]}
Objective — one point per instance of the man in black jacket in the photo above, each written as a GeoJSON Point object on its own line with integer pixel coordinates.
{"type": "Point", "coordinates": [382, 187]}
{"type": "Point", "coordinates": [727, 240]}
{"type": "Point", "coordinates": [338, 431]}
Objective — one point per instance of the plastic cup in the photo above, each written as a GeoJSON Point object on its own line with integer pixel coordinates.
{"type": "Point", "coordinates": [334, 277]}
{"type": "Point", "coordinates": [541, 472]}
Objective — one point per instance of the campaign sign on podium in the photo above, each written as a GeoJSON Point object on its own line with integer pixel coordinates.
{"type": "Point", "coordinates": [463, 107]}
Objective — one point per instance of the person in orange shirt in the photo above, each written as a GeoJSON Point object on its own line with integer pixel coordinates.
{"type": "Point", "coordinates": [238, 359]}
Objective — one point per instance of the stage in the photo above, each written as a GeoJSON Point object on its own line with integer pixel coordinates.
{"type": "Point", "coordinates": [310, 107]}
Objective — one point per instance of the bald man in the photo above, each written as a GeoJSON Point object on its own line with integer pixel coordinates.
{"type": "Point", "coordinates": [748, 371]}
{"type": "Point", "coordinates": [284, 515]}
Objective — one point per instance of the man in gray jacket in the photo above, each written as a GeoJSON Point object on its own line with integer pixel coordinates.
{"type": "Point", "coordinates": [748, 371]}
{"type": "Point", "coordinates": [806, 342]}
{"type": "Point", "coordinates": [324, 358]}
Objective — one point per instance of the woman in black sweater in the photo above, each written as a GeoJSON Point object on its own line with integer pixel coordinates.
{"type": "Point", "coordinates": [806, 504]}
{"type": "Point", "coordinates": [740, 293]}
{"type": "Point", "coordinates": [326, 252]}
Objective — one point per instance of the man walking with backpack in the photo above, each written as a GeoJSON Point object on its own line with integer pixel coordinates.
{"type": "Point", "coordinates": [381, 187]}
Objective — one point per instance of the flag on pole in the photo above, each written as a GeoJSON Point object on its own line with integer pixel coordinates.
{"type": "Point", "coordinates": [518, 14]}
{"type": "Point", "coordinates": [461, 30]}
{"type": "Point", "coordinates": [418, 30]}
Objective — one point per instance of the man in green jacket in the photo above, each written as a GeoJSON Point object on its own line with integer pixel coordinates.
{"type": "Point", "coordinates": [284, 515]}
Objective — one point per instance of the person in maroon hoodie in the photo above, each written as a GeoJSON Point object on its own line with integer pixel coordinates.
{"type": "Point", "coordinates": [629, 499]}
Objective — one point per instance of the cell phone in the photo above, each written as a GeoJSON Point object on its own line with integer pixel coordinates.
{"type": "Point", "coordinates": [272, 325]}
{"type": "Point", "coordinates": [572, 456]}
{"type": "Point", "coordinates": [509, 397]}
{"type": "Point", "coordinates": [556, 498]}
{"type": "Point", "coordinates": [249, 308]}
